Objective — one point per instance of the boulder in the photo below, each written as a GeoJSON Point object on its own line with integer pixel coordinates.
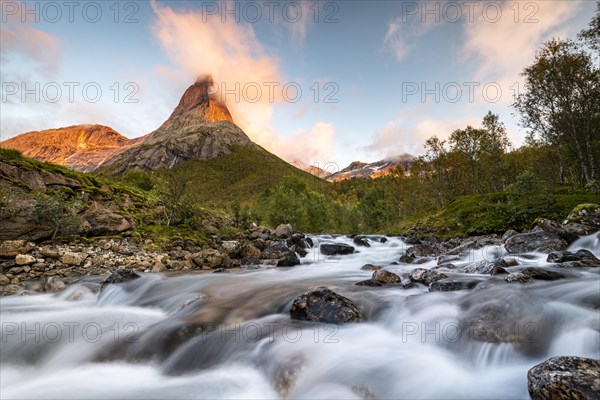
{"type": "Point", "coordinates": [451, 286]}
{"type": "Point", "coordinates": [425, 276]}
{"type": "Point", "coordinates": [4, 280]}
{"type": "Point", "coordinates": [539, 241]}
{"type": "Point", "coordinates": [546, 225]}
{"type": "Point", "coordinates": [119, 276]}
{"type": "Point", "coordinates": [385, 277]}
{"type": "Point", "coordinates": [486, 267]}
{"type": "Point", "coordinates": [406, 259]}
{"type": "Point", "coordinates": [288, 260]}
{"type": "Point", "coordinates": [519, 277]}
{"type": "Point", "coordinates": [211, 259]}
{"type": "Point", "coordinates": [11, 248]}
{"type": "Point", "coordinates": [334, 249]}
{"type": "Point", "coordinates": [24, 259]}
{"type": "Point", "coordinates": [283, 231]}
{"type": "Point", "coordinates": [361, 241]}
{"type": "Point", "coordinates": [231, 247]}
{"type": "Point", "coordinates": [370, 267]}
{"type": "Point", "coordinates": [324, 305]}
{"type": "Point", "coordinates": [542, 274]}
{"type": "Point", "coordinates": [425, 250]}
{"type": "Point", "coordinates": [564, 377]}
{"type": "Point", "coordinates": [585, 214]}
{"type": "Point", "coordinates": [508, 234]}
{"type": "Point", "coordinates": [580, 258]}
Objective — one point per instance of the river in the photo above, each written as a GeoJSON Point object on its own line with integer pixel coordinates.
{"type": "Point", "coordinates": [229, 335]}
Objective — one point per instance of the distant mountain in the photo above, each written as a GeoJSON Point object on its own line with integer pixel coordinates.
{"type": "Point", "coordinates": [311, 169]}
{"type": "Point", "coordinates": [80, 147]}
{"type": "Point", "coordinates": [376, 169]}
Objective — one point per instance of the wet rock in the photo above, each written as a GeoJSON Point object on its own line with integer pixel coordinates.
{"type": "Point", "coordinates": [298, 240]}
{"type": "Point", "coordinates": [370, 267]}
{"type": "Point", "coordinates": [508, 234]}
{"type": "Point", "coordinates": [451, 286]}
{"type": "Point", "coordinates": [361, 241]}
{"type": "Point", "coordinates": [539, 241]}
{"type": "Point", "coordinates": [546, 225]}
{"type": "Point", "coordinates": [333, 249]}
{"type": "Point", "coordinates": [519, 277]}
{"type": "Point", "coordinates": [24, 259]}
{"type": "Point", "coordinates": [425, 276]}
{"type": "Point", "coordinates": [70, 258]}
{"type": "Point", "coordinates": [299, 250]}
{"type": "Point", "coordinates": [407, 259]}
{"type": "Point", "coordinates": [220, 271]}
{"type": "Point", "coordinates": [249, 250]}
{"type": "Point", "coordinates": [542, 274]}
{"type": "Point", "coordinates": [283, 231]}
{"type": "Point", "coordinates": [369, 282]}
{"type": "Point", "coordinates": [284, 255]}
{"type": "Point", "coordinates": [426, 250]}
{"type": "Point", "coordinates": [385, 277]}
{"type": "Point", "coordinates": [324, 305]}
{"type": "Point", "coordinates": [250, 261]}
{"type": "Point", "coordinates": [12, 248]}
{"type": "Point", "coordinates": [580, 258]}
{"type": "Point", "coordinates": [487, 267]}
{"type": "Point", "coordinates": [412, 239]}
{"type": "Point", "coordinates": [286, 375]}
{"type": "Point", "coordinates": [383, 239]}
{"type": "Point", "coordinates": [54, 285]}
{"type": "Point", "coordinates": [119, 276]}
{"type": "Point", "coordinates": [288, 260]}
{"type": "Point", "coordinates": [565, 377]}
{"type": "Point", "coordinates": [10, 290]}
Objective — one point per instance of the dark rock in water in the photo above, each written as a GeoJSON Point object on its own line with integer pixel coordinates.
{"type": "Point", "coordinates": [565, 377]}
{"type": "Point", "coordinates": [405, 258]}
{"type": "Point", "coordinates": [299, 250]}
{"type": "Point", "coordinates": [581, 258]}
{"type": "Point", "coordinates": [409, 285]}
{"type": "Point", "coordinates": [425, 276]}
{"type": "Point", "coordinates": [309, 241]}
{"type": "Point", "coordinates": [324, 305]}
{"type": "Point", "coordinates": [383, 239]}
{"type": "Point", "coordinates": [412, 239]}
{"type": "Point", "coordinates": [519, 277]}
{"type": "Point", "coordinates": [487, 267]}
{"type": "Point", "coordinates": [425, 249]}
{"type": "Point", "coordinates": [297, 239]}
{"type": "Point", "coordinates": [333, 249]}
{"type": "Point", "coordinates": [385, 277]}
{"type": "Point", "coordinates": [542, 274]}
{"type": "Point", "coordinates": [284, 255]}
{"type": "Point", "coordinates": [119, 276]}
{"type": "Point", "coordinates": [220, 271]}
{"type": "Point", "coordinates": [539, 241]}
{"type": "Point", "coordinates": [289, 260]}
{"type": "Point", "coordinates": [361, 241]}
{"type": "Point", "coordinates": [370, 267]}
{"type": "Point", "coordinates": [508, 234]}
{"type": "Point", "coordinates": [555, 228]}
{"type": "Point", "coordinates": [451, 286]}
{"type": "Point", "coordinates": [54, 285]}
{"type": "Point", "coordinates": [283, 231]}
{"type": "Point", "coordinates": [250, 261]}
{"type": "Point", "coordinates": [369, 282]}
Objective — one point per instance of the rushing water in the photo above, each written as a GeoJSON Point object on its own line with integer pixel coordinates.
{"type": "Point", "coordinates": [205, 335]}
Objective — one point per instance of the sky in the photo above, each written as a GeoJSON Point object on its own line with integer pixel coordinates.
{"type": "Point", "coordinates": [321, 82]}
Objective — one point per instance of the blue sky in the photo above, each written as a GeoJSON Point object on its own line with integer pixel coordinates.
{"type": "Point", "coordinates": [389, 74]}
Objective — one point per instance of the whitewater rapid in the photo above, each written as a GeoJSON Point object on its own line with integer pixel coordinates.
{"type": "Point", "coordinates": [229, 335]}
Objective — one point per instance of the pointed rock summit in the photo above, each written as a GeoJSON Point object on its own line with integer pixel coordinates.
{"type": "Point", "coordinates": [201, 98]}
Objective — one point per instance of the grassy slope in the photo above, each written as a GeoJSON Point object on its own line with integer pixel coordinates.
{"type": "Point", "coordinates": [496, 213]}
{"type": "Point", "coordinates": [237, 177]}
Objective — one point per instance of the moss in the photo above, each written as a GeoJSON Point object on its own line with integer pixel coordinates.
{"type": "Point", "coordinates": [587, 207]}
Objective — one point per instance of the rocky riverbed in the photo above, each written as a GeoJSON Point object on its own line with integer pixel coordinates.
{"type": "Point", "coordinates": [277, 313]}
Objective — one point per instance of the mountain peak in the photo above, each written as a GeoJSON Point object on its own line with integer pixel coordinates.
{"type": "Point", "coordinates": [200, 98]}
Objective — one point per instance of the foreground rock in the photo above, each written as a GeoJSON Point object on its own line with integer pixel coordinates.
{"type": "Point", "coordinates": [486, 267]}
{"type": "Point", "coordinates": [451, 286]}
{"type": "Point", "coordinates": [519, 277]}
{"type": "Point", "coordinates": [565, 377]}
{"type": "Point", "coordinates": [324, 305]}
{"type": "Point", "coordinates": [334, 249]}
{"type": "Point", "coordinates": [542, 274]}
{"type": "Point", "coordinates": [283, 255]}
{"type": "Point", "coordinates": [581, 259]}
{"type": "Point", "coordinates": [385, 277]}
{"type": "Point", "coordinates": [425, 276]}
{"type": "Point", "coordinates": [119, 276]}
{"type": "Point", "coordinates": [539, 241]}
